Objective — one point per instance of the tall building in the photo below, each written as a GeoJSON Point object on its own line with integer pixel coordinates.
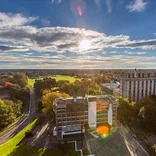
{"type": "Point", "coordinates": [71, 115]}
{"type": "Point", "coordinates": [138, 84]}
{"type": "Point", "coordinates": [75, 113]}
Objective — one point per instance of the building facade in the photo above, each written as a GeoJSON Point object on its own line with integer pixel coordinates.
{"type": "Point", "coordinates": [75, 113]}
{"type": "Point", "coordinates": [136, 85]}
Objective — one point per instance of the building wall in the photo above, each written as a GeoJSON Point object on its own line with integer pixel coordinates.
{"type": "Point", "coordinates": [92, 114]}
{"type": "Point", "coordinates": [136, 88]}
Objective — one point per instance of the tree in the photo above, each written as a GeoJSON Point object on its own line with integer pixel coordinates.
{"type": "Point", "coordinates": [124, 109]}
{"type": "Point", "coordinates": [147, 114]}
{"type": "Point", "coordinates": [21, 79]}
{"type": "Point", "coordinates": [46, 83]}
{"type": "Point", "coordinates": [48, 99]}
{"type": "Point", "coordinates": [9, 111]}
{"type": "Point", "coordinates": [19, 93]}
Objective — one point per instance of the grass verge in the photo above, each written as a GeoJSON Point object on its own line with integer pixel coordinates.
{"type": "Point", "coordinates": [10, 145]}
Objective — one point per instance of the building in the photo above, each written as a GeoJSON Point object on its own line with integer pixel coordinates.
{"type": "Point", "coordinates": [137, 84]}
{"type": "Point", "coordinates": [71, 115]}
{"type": "Point", "coordinates": [101, 109]}
{"type": "Point", "coordinates": [112, 88]}
{"type": "Point", "coordinates": [75, 113]}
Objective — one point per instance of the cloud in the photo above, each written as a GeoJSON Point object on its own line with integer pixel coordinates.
{"type": "Point", "coordinates": [135, 53]}
{"type": "Point", "coordinates": [109, 6]}
{"type": "Point", "coordinates": [12, 20]}
{"type": "Point", "coordinates": [79, 61]}
{"type": "Point", "coordinates": [12, 48]}
{"type": "Point", "coordinates": [25, 46]}
{"type": "Point", "coordinates": [61, 39]}
{"type": "Point", "coordinates": [137, 6]}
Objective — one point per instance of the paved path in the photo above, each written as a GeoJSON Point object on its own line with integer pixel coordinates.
{"type": "Point", "coordinates": [22, 122]}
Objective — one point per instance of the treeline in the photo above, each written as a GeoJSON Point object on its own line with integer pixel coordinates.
{"type": "Point", "coordinates": [9, 111]}
{"type": "Point", "coordinates": [21, 79]}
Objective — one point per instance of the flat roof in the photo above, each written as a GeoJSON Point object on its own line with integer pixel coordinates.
{"type": "Point", "coordinates": [110, 86]}
{"type": "Point", "coordinates": [71, 128]}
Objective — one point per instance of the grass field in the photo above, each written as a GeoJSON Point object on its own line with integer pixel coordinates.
{"type": "Point", "coordinates": [10, 145]}
{"type": "Point", "coordinates": [57, 77]}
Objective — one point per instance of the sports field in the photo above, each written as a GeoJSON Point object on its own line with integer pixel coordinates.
{"type": "Point", "coordinates": [57, 77]}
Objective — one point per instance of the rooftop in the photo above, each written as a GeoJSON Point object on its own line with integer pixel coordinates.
{"type": "Point", "coordinates": [71, 128]}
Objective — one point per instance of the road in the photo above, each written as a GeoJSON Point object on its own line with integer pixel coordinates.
{"type": "Point", "coordinates": [22, 122]}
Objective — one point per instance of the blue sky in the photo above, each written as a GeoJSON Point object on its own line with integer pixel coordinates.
{"type": "Point", "coordinates": [77, 34]}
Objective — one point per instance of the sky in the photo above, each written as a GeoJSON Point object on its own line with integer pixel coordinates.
{"type": "Point", "coordinates": [77, 34]}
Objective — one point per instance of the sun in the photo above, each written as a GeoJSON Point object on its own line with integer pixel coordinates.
{"type": "Point", "coordinates": [84, 44]}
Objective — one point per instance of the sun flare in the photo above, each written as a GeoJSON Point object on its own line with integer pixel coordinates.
{"type": "Point", "coordinates": [85, 44]}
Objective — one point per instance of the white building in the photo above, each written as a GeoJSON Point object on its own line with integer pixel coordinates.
{"type": "Point", "coordinates": [136, 85]}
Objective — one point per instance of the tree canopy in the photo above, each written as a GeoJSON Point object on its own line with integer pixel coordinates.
{"type": "Point", "coordinates": [9, 111]}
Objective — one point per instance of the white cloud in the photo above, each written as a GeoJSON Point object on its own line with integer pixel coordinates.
{"type": "Point", "coordinates": [135, 53]}
{"type": "Point", "coordinates": [12, 20]}
{"type": "Point", "coordinates": [113, 52]}
{"type": "Point", "coordinates": [137, 6]}
{"type": "Point", "coordinates": [109, 6]}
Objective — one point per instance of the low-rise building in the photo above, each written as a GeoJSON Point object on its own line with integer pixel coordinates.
{"type": "Point", "coordinates": [112, 88]}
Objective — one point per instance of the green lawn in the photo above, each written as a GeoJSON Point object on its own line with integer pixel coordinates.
{"type": "Point", "coordinates": [10, 145]}
{"type": "Point", "coordinates": [57, 77]}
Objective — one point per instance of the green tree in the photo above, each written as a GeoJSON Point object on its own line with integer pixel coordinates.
{"type": "Point", "coordinates": [9, 111]}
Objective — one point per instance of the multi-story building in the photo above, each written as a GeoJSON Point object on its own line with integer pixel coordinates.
{"type": "Point", "coordinates": [75, 113]}
{"type": "Point", "coordinates": [101, 109]}
{"type": "Point", "coordinates": [71, 115]}
{"type": "Point", "coordinates": [138, 84]}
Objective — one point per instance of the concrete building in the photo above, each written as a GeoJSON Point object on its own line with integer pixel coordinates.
{"type": "Point", "coordinates": [101, 109]}
{"type": "Point", "coordinates": [137, 84]}
{"type": "Point", "coordinates": [71, 115]}
{"type": "Point", "coordinates": [75, 113]}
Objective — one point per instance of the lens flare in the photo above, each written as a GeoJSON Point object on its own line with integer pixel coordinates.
{"type": "Point", "coordinates": [79, 10]}
{"type": "Point", "coordinates": [102, 130]}
{"type": "Point", "coordinates": [104, 135]}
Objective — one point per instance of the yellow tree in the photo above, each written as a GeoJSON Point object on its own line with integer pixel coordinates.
{"type": "Point", "coordinates": [48, 99]}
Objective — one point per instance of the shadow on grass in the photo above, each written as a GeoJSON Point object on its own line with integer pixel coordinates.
{"type": "Point", "coordinates": [23, 150]}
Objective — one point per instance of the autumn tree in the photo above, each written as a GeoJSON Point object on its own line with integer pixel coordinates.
{"type": "Point", "coordinates": [48, 99]}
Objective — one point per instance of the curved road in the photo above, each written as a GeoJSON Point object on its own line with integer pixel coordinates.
{"type": "Point", "coordinates": [22, 122]}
